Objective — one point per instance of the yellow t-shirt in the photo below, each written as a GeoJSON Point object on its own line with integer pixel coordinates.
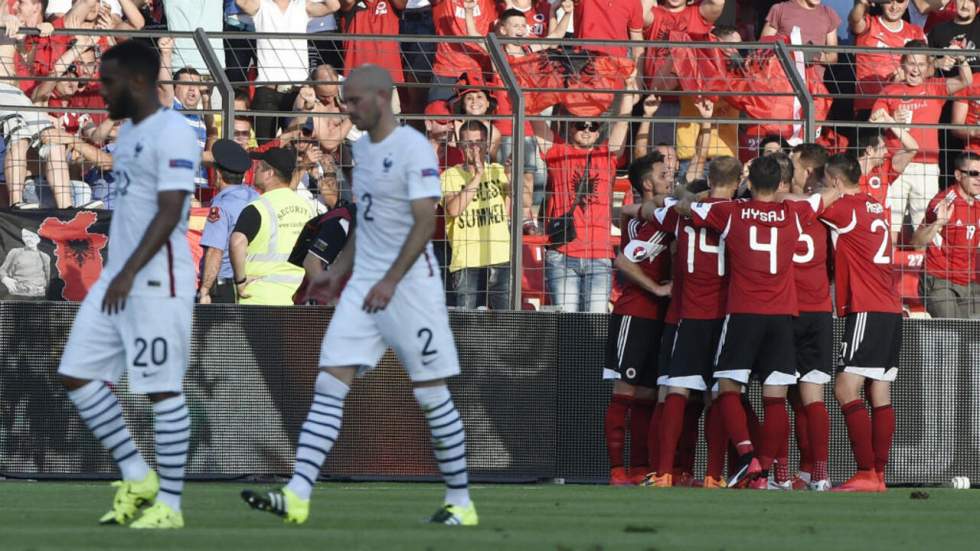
{"type": "Point", "coordinates": [480, 235]}
{"type": "Point", "coordinates": [724, 137]}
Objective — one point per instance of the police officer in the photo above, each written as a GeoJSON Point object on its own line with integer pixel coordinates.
{"type": "Point", "coordinates": [266, 232]}
{"type": "Point", "coordinates": [231, 162]}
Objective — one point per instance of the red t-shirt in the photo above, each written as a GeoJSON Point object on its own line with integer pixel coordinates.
{"type": "Point", "coordinates": [593, 219]}
{"type": "Point", "coordinates": [862, 256]}
{"type": "Point", "coordinates": [377, 17]}
{"type": "Point", "coordinates": [449, 17]}
{"type": "Point", "coordinates": [925, 110]}
{"type": "Point", "coordinates": [952, 254]}
{"type": "Point", "coordinates": [72, 121]}
{"type": "Point", "coordinates": [972, 112]}
{"type": "Point", "coordinates": [946, 13]}
{"type": "Point", "coordinates": [689, 20]}
{"type": "Point", "coordinates": [607, 20]}
{"type": "Point", "coordinates": [647, 245]}
{"type": "Point", "coordinates": [874, 71]}
{"type": "Point", "coordinates": [700, 262]}
{"type": "Point", "coordinates": [760, 240]}
{"type": "Point", "coordinates": [877, 182]}
{"type": "Point", "coordinates": [810, 269]}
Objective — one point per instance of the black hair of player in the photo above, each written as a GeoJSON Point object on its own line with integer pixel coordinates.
{"type": "Point", "coordinates": [473, 126]}
{"type": "Point", "coordinates": [811, 155]}
{"type": "Point", "coordinates": [786, 169]}
{"type": "Point", "coordinates": [510, 12]}
{"type": "Point", "coordinates": [772, 138]}
{"type": "Point", "coordinates": [845, 167]}
{"type": "Point", "coordinates": [640, 169]}
{"type": "Point", "coordinates": [966, 157]}
{"type": "Point", "coordinates": [867, 137]}
{"type": "Point", "coordinates": [765, 175]}
{"type": "Point", "coordinates": [137, 59]}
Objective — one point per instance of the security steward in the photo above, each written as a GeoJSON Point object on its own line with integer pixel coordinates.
{"type": "Point", "coordinates": [231, 162]}
{"type": "Point", "coordinates": [266, 233]}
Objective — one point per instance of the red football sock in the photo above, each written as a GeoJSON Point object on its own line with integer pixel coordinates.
{"type": "Point", "coordinates": [671, 424]}
{"type": "Point", "coordinates": [818, 425]}
{"type": "Point", "coordinates": [687, 447]}
{"type": "Point", "coordinates": [640, 415]}
{"type": "Point", "coordinates": [882, 429]}
{"type": "Point", "coordinates": [736, 426]}
{"type": "Point", "coordinates": [803, 440]}
{"type": "Point", "coordinates": [616, 428]}
{"type": "Point", "coordinates": [774, 431]}
{"type": "Point", "coordinates": [859, 433]}
{"type": "Point", "coordinates": [714, 433]}
{"type": "Point", "coordinates": [752, 419]}
{"type": "Point", "coordinates": [653, 435]}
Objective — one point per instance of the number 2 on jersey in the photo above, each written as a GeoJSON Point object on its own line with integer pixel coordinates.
{"type": "Point", "coordinates": [366, 199]}
{"type": "Point", "coordinates": [882, 256]}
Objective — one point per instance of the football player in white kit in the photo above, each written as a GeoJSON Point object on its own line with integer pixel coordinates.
{"type": "Point", "coordinates": [394, 298]}
{"type": "Point", "coordinates": [137, 317]}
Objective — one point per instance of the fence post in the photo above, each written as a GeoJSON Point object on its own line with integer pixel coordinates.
{"type": "Point", "coordinates": [496, 51]}
{"type": "Point", "coordinates": [221, 80]}
{"type": "Point", "coordinates": [799, 86]}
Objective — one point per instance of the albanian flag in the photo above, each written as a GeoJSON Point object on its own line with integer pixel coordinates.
{"type": "Point", "coordinates": [572, 74]}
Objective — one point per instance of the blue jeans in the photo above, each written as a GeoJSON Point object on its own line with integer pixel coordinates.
{"type": "Point", "coordinates": [578, 284]}
{"type": "Point", "coordinates": [466, 286]}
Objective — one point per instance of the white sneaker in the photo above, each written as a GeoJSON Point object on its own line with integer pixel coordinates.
{"type": "Point", "coordinates": [785, 486]}
{"type": "Point", "coordinates": [820, 485]}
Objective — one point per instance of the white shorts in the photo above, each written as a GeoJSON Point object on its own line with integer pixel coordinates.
{"type": "Point", "coordinates": [149, 340]}
{"type": "Point", "coordinates": [917, 185]}
{"type": "Point", "coordinates": [16, 124]}
{"type": "Point", "coordinates": [415, 325]}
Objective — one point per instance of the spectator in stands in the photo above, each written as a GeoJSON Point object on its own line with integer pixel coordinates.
{"type": "Point", "coordinates": [966, 111]}
{"type": "Point", "coordinates": [888, 30]}
{"type": "Point", "coordinates": [772, 144]}
{"type": "Point", "coordinates": [281, 60]}
{"type": "Point", "coordinates": [476, 200]}
{"type": "Point", "coordinates": [187, 94]}
{"type": "Point", "coordinates": [322, 101]}
{"type": "Point", "coordinates": [918, 99]}
{"type": "Point", "coordinates": [879, 166]}
{"type": "Point", "coordinates": [962, 31]}
{"type": "Point", "coordinates": [949, 233]}
{"type": "Point", "coordinates": [101, 14]}
{"type": "Point", "coordinates": [473, 99]}
{"type": "Point", "coordinates": [416, 19]}
{"type": "Point", "coordinates": [315, 178]}
{"type": "Point", "coordinates": [373, 17]}
{"type": "Point", "coordinates": [243, 133]}
{"type": "Point", "coordinates": [239, 52]}
{"type": "Point", "coordinates": [19, 128]}
{"type": "Point", "coordinates": [695, 20]}
{"type": "Point", "coordinates": [441, 135]}
{"type": "Point", "coordinates": [929, 13]}
{"type": "Point", "coordinates": [454, 59]}
{"type": "Point", "coordinates": [578, 263]}
{"type": "Point", "coordinates": [188, 16]}
{"type": "Point", "coordinates": [818, 26]}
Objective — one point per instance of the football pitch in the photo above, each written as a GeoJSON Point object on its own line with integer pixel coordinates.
{"type": "Point", "coordinates": [41, 516]}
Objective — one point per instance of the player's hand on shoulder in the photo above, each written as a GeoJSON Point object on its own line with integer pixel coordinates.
{"type": "Point", "coordinates": [114, 300]}
{"type": "Point", "coordinates": [379, 296]}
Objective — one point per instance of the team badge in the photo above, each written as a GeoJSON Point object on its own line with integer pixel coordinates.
{"type": "Point", "coordinates": [214, 214]}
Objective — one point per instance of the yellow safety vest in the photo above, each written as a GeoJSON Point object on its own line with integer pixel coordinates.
{"type": "Point", "coordinates": [283, 213]}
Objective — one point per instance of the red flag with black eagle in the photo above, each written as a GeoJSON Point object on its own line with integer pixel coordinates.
{"type": "Point", "coordinates": [572, 76]}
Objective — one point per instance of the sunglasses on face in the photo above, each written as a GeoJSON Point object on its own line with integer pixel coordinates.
{"type": "Point", "coordinates": [971, 173]}
{"type": "Point", "coordinates": [585, 126]}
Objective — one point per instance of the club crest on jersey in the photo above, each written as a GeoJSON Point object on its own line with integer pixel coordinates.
{"type": "Point", "coordinates": [214, 214]}
{"type": "Point", "coordinates": [387, 164]}
{"type": "Point", "coordinates": [137, 150]}
{"type": "Point", "coordinates": [381, 9]}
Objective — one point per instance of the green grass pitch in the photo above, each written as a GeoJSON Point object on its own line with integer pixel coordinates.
{"type": "Point", "coordinates": [42, 516]}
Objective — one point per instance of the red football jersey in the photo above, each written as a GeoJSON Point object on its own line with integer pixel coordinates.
{"type": "Point", "coordinates": [607, 20]}
{"type": "Point", "coordinates": [925, 110]}
{"type": "Point", "coordinates": [645, 244]}
{"type": "Point", "coordinates": [877, 182]}
{"type": "Point", "coordinates": [373, 17]}
{"type": "Point", "coordinates": [449, 17]}
{"type": "Point", "coordinates": [862, 256]}
{"type": "Point", "coordinates": [760, 240]}
{"type": "Point", "coordinates": [700, 262]}
{"type": "Point", "coordinates": [875, 71]}
{"type": "Point", "coordinates": [593, 218]}
{"type": "Point", "coordinates": [811, 269]}
{"type": "Point", "coordinates": [952, 254]}
{"type": "Point", "coordinates": [972, 112]}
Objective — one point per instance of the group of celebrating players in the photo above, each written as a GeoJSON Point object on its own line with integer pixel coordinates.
{"type": "Point", "coordinates": [748, 281]}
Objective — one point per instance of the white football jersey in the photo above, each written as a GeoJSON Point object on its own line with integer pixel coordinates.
{"type": "Point", "coordinates": [160, 153]}
{"type": "Point", "coordinates": [387, 176]}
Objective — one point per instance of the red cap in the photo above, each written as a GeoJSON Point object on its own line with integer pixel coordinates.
{"type": "Point", "coordinates": [439, 107]}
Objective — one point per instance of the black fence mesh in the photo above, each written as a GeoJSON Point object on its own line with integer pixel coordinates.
{"type": "Point", "coordinates": [530, 395]}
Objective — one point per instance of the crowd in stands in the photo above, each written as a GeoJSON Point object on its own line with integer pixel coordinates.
{"type": "Point", "coordinates": [63, 158]}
